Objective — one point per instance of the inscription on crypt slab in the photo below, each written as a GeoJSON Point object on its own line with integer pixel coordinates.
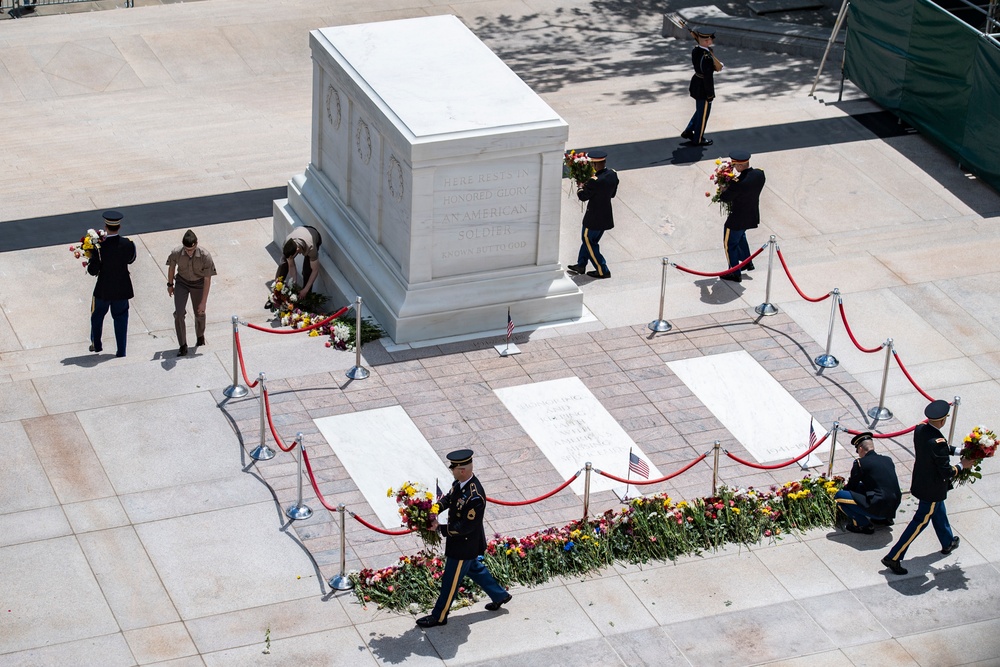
{"type": "Point", "coordinates": [486, 215]}
{"type": "Point", "coordinates": [571, 427]}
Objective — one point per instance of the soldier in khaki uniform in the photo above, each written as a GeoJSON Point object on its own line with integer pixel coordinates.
{"type": "Point", "coordinates": [190, 273]}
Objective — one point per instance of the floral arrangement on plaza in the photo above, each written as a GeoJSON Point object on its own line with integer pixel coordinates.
{"type": "Point", "coordinates": [291, 312]}
{"type": "Point", "coordinates": [578, 167]}
{"type": "Point", "coordinates": [418, 509]}
{"type": "Point", "coordinates": [89, 244]}
{"type": "Point", "coordinates": [648, 528]}
{"type": "Point", "coordinates": [978, 445]}
{"type": "Point", "coordinates": [723, 175]}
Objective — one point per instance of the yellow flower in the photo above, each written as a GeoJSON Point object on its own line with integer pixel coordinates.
{"type": "Point", "coordinates": [718, 161]}
{"type": "Point", "coordinates": [435, 509]}
{"type": "Point", "coordinates": [314, 332]}
{"type": "Point", "coordinates": [736, 510]}
{"type": "Point", "coordinates": [388, 494]}
{"type": "Point", "coordinates": [682, 503]}
{"type": "Point", "coordinates": [428, 495]}
{"type": "Point", "coordinates": [278, 286]}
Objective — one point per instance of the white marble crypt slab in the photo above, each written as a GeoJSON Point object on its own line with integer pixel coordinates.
{"type": "Point", "coordinates": [383, 448]}
{"type": "Point", "coordinates": [571, 427]}
{"type": "Point", "coordinates": [434, 180]}
{"type": "Point", "coordinates": [752, 405]}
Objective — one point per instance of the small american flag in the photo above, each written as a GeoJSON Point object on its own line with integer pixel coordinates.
{"type": "Point", "coordinates": [812, 434]}
{"type": "Point", "coordinates": [638, 466]}
{"type": "Point", "coordinates": [438, 489]}
{"type": "Point", "coordinates": [510, 325]}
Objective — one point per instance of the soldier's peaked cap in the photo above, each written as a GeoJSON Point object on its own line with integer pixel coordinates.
{"type": "Point", "coordinates": [740, 156]}
{"type": "Point", "coordinates": [701, 34]}
{"type": "Point", "coordinates": [459, 457]}
{"type": "Point", "coordinates": [112, 218]}
{"type": "Point", "coordinates": [861, 437]}
{"type": "Point", "coordinates": [937, 409]}
{"type": "Point", "coordinates": [597, 155]}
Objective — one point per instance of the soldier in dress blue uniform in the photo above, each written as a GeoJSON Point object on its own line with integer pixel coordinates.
{"type": "Point", "coordinates": [872, 491]}
{"type": "Point", "coordinates": [932, 479]}
{"type": "Point", "coordinates": [743, 195]}
{"type": "Point", "coordinates": [599, 218]}
{"type": "Point", "coordinates": [114, 285]}
{"type": "Point", "coordinates": [702, 87]}
{"type": "Point", "coordinates": [465, 541]}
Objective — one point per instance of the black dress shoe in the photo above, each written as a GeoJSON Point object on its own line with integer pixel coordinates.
{"type": "Point", "coordinates": [687, 134]}
{"type": "Point", "coordinates": [182, 352]}
{"type": "Point", "coordinates": [600, 276]}
{"type": "Point", "coordinates": [577, 268]}
{"type": "Point", "coordinates": [119, 354]}
{"type": "Point", "coordinates": [894, 565]}
{"type": "Point", "coordinates": [430, 622]}
{"type": "Point", "coordinates": [94, 348]}
{"type": "Point", "coordinates": [951, 547]}
{"type": "Point", "coordinates": [733, 277]}
{"type": "Point", "coordinates": [866, 530]}
{"type": "Point", "coordinates": [749, 267]}
{"type": "Point", "coordinates": [705, 142]}
{"type": "Point", "coordinates": [495, 606]}
{"type": "Point", "coordinates": [201, 341]}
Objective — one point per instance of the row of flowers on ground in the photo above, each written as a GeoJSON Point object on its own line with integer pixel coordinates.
{"type": "Point", "coordinates": [653, 528]}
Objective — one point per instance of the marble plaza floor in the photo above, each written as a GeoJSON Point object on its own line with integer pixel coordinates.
{"type": "Point", "coordinates": [136, 530]}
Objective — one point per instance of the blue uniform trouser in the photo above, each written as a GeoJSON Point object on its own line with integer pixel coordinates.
{"type": "Point", "coordinates": [455, 569]}
{"type": "Point", "coordinates": [699, 121]}
{"type": "Point", "coordinates": [927, 511]}
{"type": "Point", "coordinates": [737, 248]}
{"type": "Point", "coordinates": [590, 250]}
{"type": "Point", "coordinates": [119, 313]}
{"type": "Point", "coordinates": [856, 513]}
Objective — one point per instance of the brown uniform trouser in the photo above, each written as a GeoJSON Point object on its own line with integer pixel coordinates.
{"type": "Point", "coordinates": [182, 289]}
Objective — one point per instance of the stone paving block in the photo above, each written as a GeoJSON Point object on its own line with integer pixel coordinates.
{"type": "Point", "coordinates": [973, 643]}
{"type": "Point", "coordinates": [19, 400]}
{"type": "Point", "coordinates": [25, 485]}
{"type": "Point", "coordinates": [108, 650]}
{"type": "Point", "coordinates": [315, 648]}
{"type": "Point", "coordinates": [98, 514]}
{"type": "Point", "coordinates": [33, 525]}
{"type": "Point", "coordinates": [68, 458]}
{"type": "Point", "coordinates": [611, 605]}
{"type": "Point", "coordinates": [888, 652]}
{"type": "Point", "coordinates": [160, 643]}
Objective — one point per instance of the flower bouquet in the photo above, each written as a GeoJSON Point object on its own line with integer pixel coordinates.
{"type": "Point", "coordinates": [578, 167]}
{"type": "Point", "coordinates": [418, 509]}
{"type": "Point", "coordinates": [978, 445]}
{"type": "Point", "coordinates": [284, 297]}
{"type": "Point", "coordinates": [89, 244]}
{"type": "Point", "coordinates": [723, 175]}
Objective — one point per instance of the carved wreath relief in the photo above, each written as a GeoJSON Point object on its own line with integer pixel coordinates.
{"type": "Point", "coordinates": [333, 107]}
{"type": "Point", "coordinates": [395, 178]}
{"type": "Point", "coordinates": [363, 142]}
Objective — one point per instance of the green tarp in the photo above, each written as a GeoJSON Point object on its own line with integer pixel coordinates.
{"type": "Point", "coordinates": [934, 71]}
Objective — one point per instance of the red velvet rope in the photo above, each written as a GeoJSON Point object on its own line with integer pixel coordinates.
{"type": "Point", "coordinates": [899, 362]}
{"type": "Point", "coordinates": [315, 325]}
{"type": "Point", "coordinates": [775, 466]}
{"type": "Point", "coordinates": [722, 273]}
{"type": "Point", "coordinates": [514, 503]}
{"type": "Point", "coordinates": [312, 480]}
{"type": "Point", "coordinates": [243, 368]}
{"type": "Point", "coordinates": [651, 481]}
{"type": "Point", "coordinates": [270, 423]}
{"type": "Point", "coordinates": [885, 435]}
{"type": "Point", "coordinates": [380, 530]}
{"type": "Point", "coordinates": [788, 273]}
{"type": "Point", "coordinates": [851, 333]}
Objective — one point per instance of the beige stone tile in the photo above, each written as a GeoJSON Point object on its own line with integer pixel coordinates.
{"type": "Point", "coordinates": [611, 605]}
{"type": "Point", "coordinates": [160, 643]}
{"type": "Point", "coordinates": [315, 648]}
{"type": "Point", "coordinates": [109, 650]}
{"type": "Point", "coordinates": [798, 569]}
{"type": "Point", "coordinates": [825, 659]}
{"type": "Point", "coordinates": [19, 400]}
{"type": "Point", "coordinates": [971, 643]}
{"type": "Point", "coordinates": [25, 485]}
{"type": "Point", "coordinates": [100, 514]}
{"type": "Point", "coordinates": [33, 525]}
{"type": "Point", "coordinates": [68, 458]}
{"type": "Point", "coordinates": [979, 529]}
{"type": "Point", "coordinates": [876, 654]}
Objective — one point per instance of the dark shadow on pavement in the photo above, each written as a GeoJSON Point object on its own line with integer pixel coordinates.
{"type": "Point", "coordinates": [948, 578]}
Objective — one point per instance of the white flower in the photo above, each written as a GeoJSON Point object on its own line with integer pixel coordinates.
{"type": "Point", "coordinates": [284, 321]}
{"type": "Point", "coordinates": [293, 298]}
{"type": "Point", "coordinates": [986, 441]}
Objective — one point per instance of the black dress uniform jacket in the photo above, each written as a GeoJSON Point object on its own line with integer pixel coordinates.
{"type": "Point", "coordinates": [466, 538]}
{"type": "Point", "coordinates": [932, 469]}
{"type": "Point", "coordinates": [874, 486]}
{"type": "Point", "coordinates": [744, 195]}
{"type": "Point", "coordinates": [110, 265]}
{"type": "Point", "coordinates": [598, 193]}
{"type": "Point", "coordinates": [703, 82]}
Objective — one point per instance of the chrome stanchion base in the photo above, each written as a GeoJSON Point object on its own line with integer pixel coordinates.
{"type": "Point", "coordinates": [296, 512]}
{"type": "Point", "coordinates": [880, 413]}
{"type": "Point", "coordinates": [235, 391]}
{"type": "Point", "coordinates": [766, 309]}
{"type": "Point", "coordinates": [262, 453]}
{"type": "Point", "coordinates": [826, 361]}
{"type": "Point", "coordinates": [340, 583]}
{"type": "Point", "coordinates": [357, 373]}
{"type": "Point", "coordinates": [660, 326]}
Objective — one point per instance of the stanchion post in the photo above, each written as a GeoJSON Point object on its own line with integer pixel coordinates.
{"type": "Point", "coordinates": [235, 390]}
{"type": "Point", "coordinates": [586, 489]}
{"type": "Point", "coordinates": [715, 466]}
{"type": "Point", "coordinates": [341, 582]}
{"type": "Point", "coordinates": [954, 419]}
{"type": "Point", "coordinates": [833, 448]}
{"type": "Point", "coordinates": [357, 372]}
{"type": "Point", "coordinates": [880, 411]}
{"type": "Point", "coordinates": [660, 325]}
{"type": "Point", "coordinates": [768, 308]}
{"type": "Point", "coordinates": [299, 510]}
{"type": "Point", "coordinates": [262, 452]}
{"type": "Point", "coordinates": [827, 360]}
